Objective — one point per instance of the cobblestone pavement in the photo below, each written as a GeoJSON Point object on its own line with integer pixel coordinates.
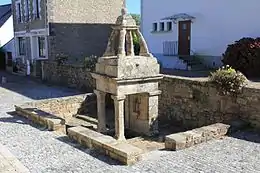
{"type": "Point", "coordinates": [9, 163]}
{"type": "Point", "coordinates": [43, 151]}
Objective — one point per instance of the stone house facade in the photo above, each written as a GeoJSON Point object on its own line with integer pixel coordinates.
{"type": "Point", "coordinates": [76, 29]}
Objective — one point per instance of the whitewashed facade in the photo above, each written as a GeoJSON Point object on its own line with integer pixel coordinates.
{"type": "Point", "coordinates": [213, 25]}
{"type": "Point", "coordinates": [7, 35]}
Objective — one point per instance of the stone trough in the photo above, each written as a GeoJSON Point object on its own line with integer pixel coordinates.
{"type": "Point", "coordinates": [179, 141]}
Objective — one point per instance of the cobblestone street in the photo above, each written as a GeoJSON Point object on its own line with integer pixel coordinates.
{"type": "Point", "coordinates": [48, 152]}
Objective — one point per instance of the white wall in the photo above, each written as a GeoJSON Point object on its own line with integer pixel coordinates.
{"type": "Point", "coordinates": [6, 32]}
{"type": "Point", "coordinates": [217, 24]}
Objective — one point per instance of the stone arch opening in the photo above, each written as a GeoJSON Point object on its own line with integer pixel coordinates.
{"type": "Point", "coordinates": [110, 113]}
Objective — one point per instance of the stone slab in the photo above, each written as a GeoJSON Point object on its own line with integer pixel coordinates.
{"type": "Point", "coordinates": [52, 122]}
{"type": "Point", "coordinates": [193, 137]}
{"type": "Point", "coordinates": [118, 150]}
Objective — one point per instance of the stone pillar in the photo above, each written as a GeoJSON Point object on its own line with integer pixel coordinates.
{"type": "Point", "coordinates": [153, 112]}
{"type": "Point", "coordinates": [130, 44]}
{"type": "Point", "coordinates": [110, 50]}
{"type": "Point", "coordinates": [119, 117]}
{"type": "Point", "coordinates": [143, 46]}
{"type": "Point", "coordinates": [101, 110]}
{"type": "Point", "coordinates": [127, 112]}
{"type": "Point", "coordinates": [121, 47]}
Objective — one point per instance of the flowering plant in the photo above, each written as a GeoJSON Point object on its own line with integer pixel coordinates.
{"type": "Point", "coordinates": [228, 80]}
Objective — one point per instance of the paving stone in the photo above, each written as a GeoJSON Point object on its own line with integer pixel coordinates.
{"type": "Point", "coordinates": [47, 152]}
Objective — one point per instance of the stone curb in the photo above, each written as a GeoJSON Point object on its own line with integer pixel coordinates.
{"type": "Point", "coordinates": [179, 141]}
{"type": "Point", "coordinates": [121, 151]}
{"type": "Point", "coordinates": [52, 122]}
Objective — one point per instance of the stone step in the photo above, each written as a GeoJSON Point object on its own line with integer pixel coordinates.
{"type": "Point", "coordinates": [75, 122]}
{"type": "Point", "coordinates": [118, 150]}
{"type": "Point", "coordinates": [87, 119]}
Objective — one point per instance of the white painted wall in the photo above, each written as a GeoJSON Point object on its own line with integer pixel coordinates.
{"type": "Point", "coordinates": [6, 32]}
{"type": "Point", "coordinates": [217, 24]}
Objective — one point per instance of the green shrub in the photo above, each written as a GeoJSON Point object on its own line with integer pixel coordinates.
{"type": "Point", "coordinates": [228, 80]}
{"type": "Point", "coordinates": [136, 42]}
{"type": "Point", "coordinates": [244, 56]}
{"type": "Point", "coordinates": [90, 62]}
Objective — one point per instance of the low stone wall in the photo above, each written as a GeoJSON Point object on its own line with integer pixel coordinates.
{"type": "Point", "coordinates": [64, 107]}
{"type": "Point", "coordinates": [196, 103]}
{"type": "Point", "coordinates": [179, 141]}
{"type": "Point", "coordinates": [42, 118]}
{"type": "Point", "coordinates": [74, 76]}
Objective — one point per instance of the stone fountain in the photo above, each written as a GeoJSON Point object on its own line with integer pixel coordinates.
{"type": "Point", "coordinates": [131, 80]}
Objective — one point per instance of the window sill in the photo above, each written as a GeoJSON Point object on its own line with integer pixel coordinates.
{"type": "Point", "coordinates": [41, 58]}
{"type": "Point", "coordinates": [160, 32]}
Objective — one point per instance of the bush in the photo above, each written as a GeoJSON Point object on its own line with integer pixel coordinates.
{"type": "Point", "coordinates": [228, 80]}
{"type": "Point", "coordinates": [136, 42]}
{"type": "Point", "coordinates": [244, 56]}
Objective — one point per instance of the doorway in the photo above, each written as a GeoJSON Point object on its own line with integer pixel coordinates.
{"type": "Point", "coordinates": [184, 38]}
{"type": "Point", "coordinates": [2, 61]}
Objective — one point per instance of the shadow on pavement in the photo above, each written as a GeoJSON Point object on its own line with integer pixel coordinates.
{"type": "Point", "coordinates": [249, 135]}
{"type": "Point", "coordinates": [92, 152]}
{"type": "Point", "coordinates": [32, 89]}
{"type": "Point", "coordinates": [15, 118]}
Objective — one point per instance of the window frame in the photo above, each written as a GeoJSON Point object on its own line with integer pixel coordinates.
{"type": "Point", "coordinates": [19, 12]}
{"type": "Point", "coordinates": [21, 46]}
{"type": "Point", "coordinates": [162, 26]}
{"type": "Point", "coordinates": [169, 26]}
{"type": "Point", "coordinates": [155, 27]}
{"type": "Point", "coordinates": [37, 3]}
{"type": "Point", "coordinates": [41, 40]}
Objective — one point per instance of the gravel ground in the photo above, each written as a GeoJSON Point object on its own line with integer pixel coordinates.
{"type": "Point", "coordinates": [43, 151]}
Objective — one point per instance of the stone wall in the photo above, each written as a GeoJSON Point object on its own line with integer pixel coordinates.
{"type": "Point", "coordinates": [74, 76]}
{"type": "Point", "coordinates": [185, 101]}
{"type": "Point", "coordinates": [86, 28]}
{"type": "Point", "coordinates": [64, 107]}
{"type": "Point", "coordinates": [195, 103]}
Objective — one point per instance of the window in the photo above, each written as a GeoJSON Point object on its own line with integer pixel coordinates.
{"type": "Point", "coordinates": [155, 28]}
{"type": "Point", "coordinates": [19, 13]}
{"type": "Point", "coordinates": [21, 45]}
{"type": "Point", "coordinates": [27, 11]}
{"type": "Point", "coordinates": [9, 59]}
{"type": "Point", "coordinates": [169, 26]}
{"type": "Point", "coordinates": [184, 26]}
{"type": "Point", "coordinates": [37, 9]}
{"type": "Point", "coordinates": [41, 47]}
{"type": "Point", "coordinates": [162, 26]}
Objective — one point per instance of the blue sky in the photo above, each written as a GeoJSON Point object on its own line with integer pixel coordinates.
{"type": "Point", "coordinates": [132, 5]}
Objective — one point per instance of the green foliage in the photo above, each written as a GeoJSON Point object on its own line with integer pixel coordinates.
{"type": "Point", "coordinates": [90, 62]}
{"type": "Point", "coordinates": [61, 59]}
{"type": "Point", "coordinates": [136, 41]}
{"type": "Point", "coordinates": [137, 18]}
{"type": "Point", "coordinates": [244, 56]}
{"type": "Point", "coordinates": [228, 80]}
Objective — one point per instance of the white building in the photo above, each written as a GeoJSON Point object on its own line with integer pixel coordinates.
{"type": "Point", "coordinates": [184, 27]}
{"type": "Point", "coordinates": [6, 35]}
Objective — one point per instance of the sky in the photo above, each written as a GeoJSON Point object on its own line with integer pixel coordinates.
{"type": "Point", "coordinates": [132, 5]}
